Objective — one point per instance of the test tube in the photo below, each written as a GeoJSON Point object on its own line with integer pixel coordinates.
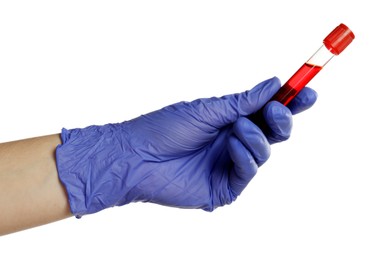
{"type": "Point", "coordinates": [333, 45]}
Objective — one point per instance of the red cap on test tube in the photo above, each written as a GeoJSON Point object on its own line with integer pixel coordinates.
{"type": "Point", "coordinates": [339, 39]}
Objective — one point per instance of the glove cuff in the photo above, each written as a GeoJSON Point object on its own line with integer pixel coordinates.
{"type": "Point", "coordinates": [83, 163]}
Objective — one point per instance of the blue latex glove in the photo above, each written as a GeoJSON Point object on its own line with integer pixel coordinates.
{"type": "Point", "coordinates": [199, 154]}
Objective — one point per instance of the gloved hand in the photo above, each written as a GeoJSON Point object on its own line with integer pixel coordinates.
{"type": "Point", "coordinates": [199, 154]}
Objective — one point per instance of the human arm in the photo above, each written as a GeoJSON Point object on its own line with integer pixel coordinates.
{"type": "Point", "coordinates": [30, 191]}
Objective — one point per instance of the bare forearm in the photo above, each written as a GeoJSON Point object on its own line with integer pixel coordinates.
{"type": "Point", "coordinates": [30, 191]}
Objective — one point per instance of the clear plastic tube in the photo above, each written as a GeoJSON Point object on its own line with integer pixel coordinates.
{"type": "Point", "coordinates": [333, 45]}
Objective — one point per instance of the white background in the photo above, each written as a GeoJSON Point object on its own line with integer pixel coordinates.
{"type": "Point", "coordinates": [77, 63]}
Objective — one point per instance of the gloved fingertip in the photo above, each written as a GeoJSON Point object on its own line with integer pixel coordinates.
{"type": "Point", "coordinates": [279, 119]}
{"type": "Point", "coordinates": [245, 166]}
{"type": "Point", "coordinates": [252, 137]}
{"type": "Point", "coordinates": [262, 93]}
{"type": "Point", "coordinates": [303, 101]}
{"type": "Point", "coordinates": [273, 80]}
{"type": "Point", "coordinates": [271, 84]}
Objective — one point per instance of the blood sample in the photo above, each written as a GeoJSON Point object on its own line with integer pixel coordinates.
{"type": "Point", "coordinates": [292, 87]}
{"type": "Point", "coordinates": [333, 45]}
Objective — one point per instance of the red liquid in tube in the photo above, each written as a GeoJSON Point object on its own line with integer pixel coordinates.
{"type": "Point", "coordinates": [296, 83]}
